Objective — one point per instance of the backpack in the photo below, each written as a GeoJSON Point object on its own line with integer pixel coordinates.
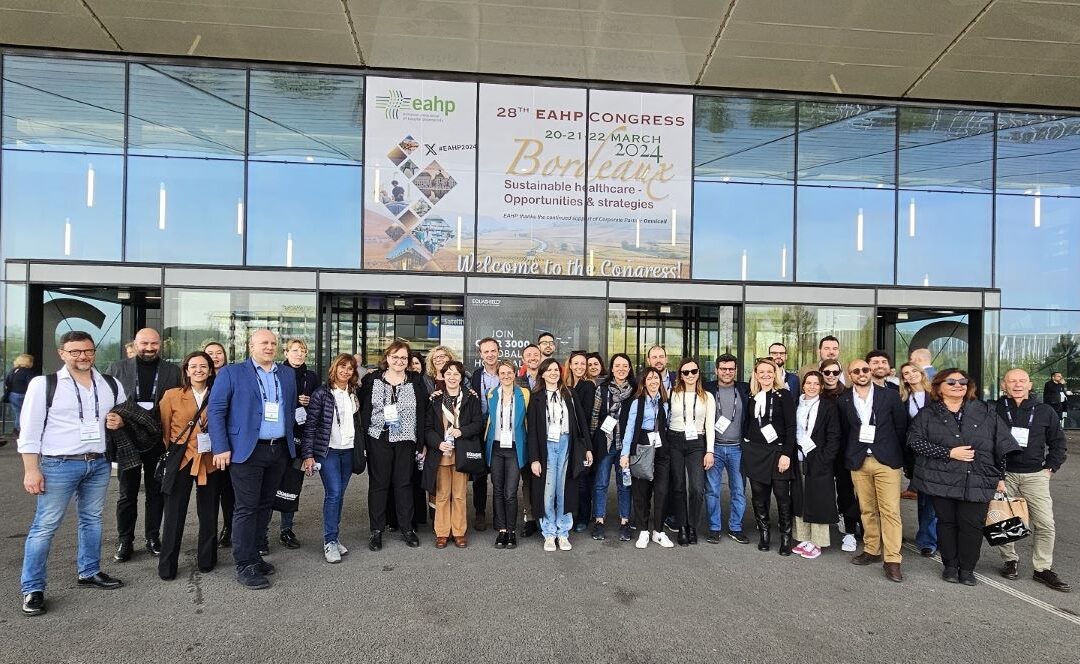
{"type": "Point", "coordinates": [52, 380]}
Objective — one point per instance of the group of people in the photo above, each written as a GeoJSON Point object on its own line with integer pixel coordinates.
{"type": "Point", "coordinates": [830, 443]}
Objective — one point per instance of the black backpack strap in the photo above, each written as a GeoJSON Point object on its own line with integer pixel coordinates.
{"type": "Point", "coordinates": [111, 380]}
{"type": "Point", "coordinates": [51, 381]}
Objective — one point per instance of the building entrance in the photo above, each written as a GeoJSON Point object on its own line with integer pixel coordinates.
{"type": "Point", "coordinates": [684, 330]}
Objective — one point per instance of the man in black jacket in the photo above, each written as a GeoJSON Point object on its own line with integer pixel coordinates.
{"type": "Point", "coordinates": [732, 400]}
{"type": "Point", "coordinates": [1037, 429]}
{"type": "Point", "coordinates": [1055, 394]}
{"type": "Point", "coordinates": [145, 377]}
{"type": "Point", "coordinates": [482, 381]}
{"type": "Point", "coordinates": [875, 425]}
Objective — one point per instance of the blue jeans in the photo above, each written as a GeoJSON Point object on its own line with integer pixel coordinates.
{"type": "Point", "coordinates": [87, 482]}
{"type": "Point", "coordinates": [287, 519]}
{"type": "Point", "coordinates": [336, 473]}
{"type": "Point", "coordinates": [16, 401]}
{"type": "Point", "coordinates": [600, 488]}
{"type": "Point", "coordinates": [556, 521]}
{"type": "Point", "coordinates": [725, 457]}
{"type": "Point", "coordinates": [926, 538]}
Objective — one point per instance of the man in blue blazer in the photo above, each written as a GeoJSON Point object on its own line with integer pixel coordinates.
{"type": "Point", "coordinates": [251, 419]}
{"type": "Point", "coordinates": [732, 401]}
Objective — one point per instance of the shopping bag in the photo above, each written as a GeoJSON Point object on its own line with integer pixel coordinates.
{"type": "Point", "coordinates": [1006, 520]}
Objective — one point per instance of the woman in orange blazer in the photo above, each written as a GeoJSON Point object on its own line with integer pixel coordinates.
{"type": "Point", "coordinates": [180, 426]}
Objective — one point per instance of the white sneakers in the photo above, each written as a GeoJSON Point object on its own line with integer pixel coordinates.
{"type": "Point", "coordinates": [642, 539]}
{"type": "Point", "coordinates": [564, 543]}
{"type": "Point", "coordinates": [341, 549]}
{"type": "Point", "coordinates": [661, 538]}
{"type": "Point", "coordinates": [849, 544]}
{"type": "Point", "coordinates": [331, 552]}
{"type": "Point", "coordinates": [549, 544]}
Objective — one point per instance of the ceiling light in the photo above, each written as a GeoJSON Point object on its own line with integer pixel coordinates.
{"type": "Point", "coordinates": [1037, 211]}
{"type": "Point", "coordinates": [783, 262]}
{"type": "Point", "coordinates": [911, 218]}
{"type": "Point", "coordinates": [665, 309]}
{"type": "Point", "coordinates": [288, 250]}
{"type": "Point", "coordinates": [240, 217]}
{"type": "Point", "coordinates": [90, 186]}
{"type": "Point", "coordinates": [859, 231]}
{"type": "Point", "coordinates": [67, 237]}
{"type": "Point", "coordinates": [744, 264]}
{"type": "Point", "coordinates": [161, 207]}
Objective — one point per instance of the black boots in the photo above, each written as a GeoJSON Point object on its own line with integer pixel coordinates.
{"type": "Point", "coordinates": [761, 517]}
{"type": "Point", "coordinates": [783, 513]}
{"type": "Point", "coordinates": [684, 536]}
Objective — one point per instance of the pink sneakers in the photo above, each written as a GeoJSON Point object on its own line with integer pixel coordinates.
{"type": "Point", "coordinates": [807, 550]}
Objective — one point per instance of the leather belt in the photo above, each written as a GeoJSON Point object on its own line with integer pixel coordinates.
{"type": "Point", "coordinates": [86, 456]}
{"type": "Point", "coordinates": [271, 441]}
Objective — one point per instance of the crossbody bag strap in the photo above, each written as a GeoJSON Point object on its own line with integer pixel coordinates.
{"type": "Point", "coordinates": [185, 435]}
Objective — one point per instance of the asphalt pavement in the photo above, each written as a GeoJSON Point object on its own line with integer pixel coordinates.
{"type": "Point", "coordinates": [602, 602]}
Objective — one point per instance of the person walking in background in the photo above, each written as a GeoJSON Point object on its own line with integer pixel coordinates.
{"type": "Point", "coordinates": [15, 384]}
{"type": "Point", "coordinates": [924, 360]}
{"type": "Point", "coordinates": [1056, 395]}
{"type": "Point", "coordinates": [915, 393]}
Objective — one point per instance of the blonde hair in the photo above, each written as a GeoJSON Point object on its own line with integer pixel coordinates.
{"type": "Point", "coordinates": [905, 389]}
{"type": "Point", "coordinates": [754, 386]}
{"type": "Point", "coordinates": [429, 361]}
{"type": "Point", "coordinates": [294, 342]}
{"type": "Point", "coordinates": [24, 361]}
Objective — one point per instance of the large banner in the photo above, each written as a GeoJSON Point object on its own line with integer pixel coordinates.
{"type": "Point", "coordinates": [576, 323]}
{"type": "Point", "coordinates": [419, 174]}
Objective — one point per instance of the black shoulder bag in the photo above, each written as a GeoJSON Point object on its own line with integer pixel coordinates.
{"type": "Point", "coordinates": [168, 464]}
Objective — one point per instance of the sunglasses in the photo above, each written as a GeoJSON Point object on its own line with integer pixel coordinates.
{"type": "Point", "coordinates": [689, 372]}
{"type": "Point", "coordinates": [957, 381]}
{"type": "Point", "coordinates": [864, 370]}
{"type": "Point", "coordinates": [832, 372]}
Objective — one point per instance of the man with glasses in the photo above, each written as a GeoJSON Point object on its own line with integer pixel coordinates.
{"type": "Point", "coordinates": [147, 376]}
{"type": "Point", "coordinates": [546, 342]}
{"type": "Point", "coordinates": [875, 423]}
{"type": "Point", "coordinates": [778, 353]}
{"type": "Point", "coordinates": [732, 398]}
{"type": "Point", "coordinates": [251, 420]}
{"type": "Point", "coordinates": [828, 349]}
{"type": "Point", "coordinates": [62, 444]}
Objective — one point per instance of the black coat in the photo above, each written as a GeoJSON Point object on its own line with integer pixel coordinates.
{"type": "Point", "coordinates": [1046, 446]}
{"type": "Point", "coordinates": [1052, 396]}
{"type": "Point", "coordinates": [536, 435]}
{"type": "Point", "coordinates": [421, 403]}
{"type": "Point", "coordinates": [934, 432]}
{"type": "Point", "coordinates": [890, 417]}
{"type": "Point", "coordinates": [814, 497]}
{"type": "Point", "coordinates": [760, 459]}
{"type": "Point", "coordinates": [470, 421]}
{"type": "Point", "coordinates": [599, 440]}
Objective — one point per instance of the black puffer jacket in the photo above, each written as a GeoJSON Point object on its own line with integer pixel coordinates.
{"type": "Point", "coordinates": [934, 432]}
{"type": "Point", "coordinates": [315, 438]}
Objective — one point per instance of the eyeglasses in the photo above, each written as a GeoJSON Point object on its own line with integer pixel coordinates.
{"type": "Point", "coordinates": [689, 372]}
{"type": "Point", "coordinates": [546, 343]}
{"type": "Point", "coordinates": [778, 352]}
{"type": "Point", "coordinates": [957, 381]}
{"type": "Point", "coordinates": [832, 372]}
{"type": "Point", "coordinates": [863, 370]}
{"type": "Point", "coordinates": [81, 353]}
{"type": "Point", "coordinates": [725, 369]}
{"type": "Point", "coordinates": [399, 358]}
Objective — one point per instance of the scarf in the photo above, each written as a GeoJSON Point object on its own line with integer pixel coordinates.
{"type": "Point", "coordinates": [760, 401]}
{"type": "Point", "coordinates": [616, 397]}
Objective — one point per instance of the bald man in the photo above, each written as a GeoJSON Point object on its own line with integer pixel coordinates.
{"type": "Point", "coordinates": [146, 377]}
{"type": "Point", "coordinates": [1037, 429]}
{"type": "Point", "coordinates": [922, 358]}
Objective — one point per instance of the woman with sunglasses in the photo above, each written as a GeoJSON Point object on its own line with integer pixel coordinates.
{"type": "Point", "coordinates": [693, 411]}
{"type": "Point", "coordinates": [609, 420]}
{"type": "Point", "coordinates": [575, 373]}
{"type": "Point", "coordinates": [768, 452]}
{"type": "Point", "coordinates": [647, 416]}
{"type": "Point", "coordinates": [846, 503]}
{"type": "Point", "coordinates": [817, 435]}
{"type": "Point", "coordinates": [960, 445]}
{"type": "Point", "coordinates": [914, 392]}
{"type": "Point", "coordinates": [558, 452]}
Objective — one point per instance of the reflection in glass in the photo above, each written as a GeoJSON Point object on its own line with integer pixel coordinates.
{"type": "Point", "coordinates": [991, 369]}
{"type": "Point", "coordinates": [56, 104]}
{"type": "Point", "coordinates": [1037, 154]}
{"type": "Point", "coordinates": [847, 143]}
{"type": "Point", "coordinates": [306, 117]}
{"type": "Point", "coordinates": [185, 210]}
{"type": "Point", "coordinates": [800, 328]}
{"type": "Point", "coordinates": [944, 239]}
{"type": "Point", "coordinates": [1038, 240]}
{"type": "Point", "coordinates": [61, 205]}
{"type": "Point", "coordinates": [743, 232]}
{"type": "Point", "coordinates": [746, 140]}
{"type": "Point", "coordinates": [944, 148]}
{"type": "Point", "coordinates": [186, 111]}
{"type": "Point", "coordinates": [94, 310]}
{"type": "Point", "coordinates": [845, 235]}
{"type": "Point", "coordinates": [195, 317]}
{"type": "Point", "coordinates": [304, 215]}
{"type": "Point", "coordinates": [1042, 342]}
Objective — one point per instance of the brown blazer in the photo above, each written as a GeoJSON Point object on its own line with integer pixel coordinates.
{"type": "Point", "coordinates": [177, 408]}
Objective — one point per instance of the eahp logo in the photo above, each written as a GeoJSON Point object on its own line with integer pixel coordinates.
{"type": "Point", "coordinates": [392, 102]}
{"type": "Point", "coordinates": [395, 101]}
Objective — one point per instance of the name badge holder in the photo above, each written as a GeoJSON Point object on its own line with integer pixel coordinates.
{"type": "Point", "coordinates": [654, 439]}
{"type": "Point", "coordinates": [769, 433]}
{"type": "Point", "coordinates": [690, 434]}
{"type": "Point", "coordinates": [722, 425]}
{"type": "Point", "coordinates": [271, 411]}
{"type": "Point", "coordinates": [203, 440]}
{"type": "Point", "coordinates": [506, 439]}
{"type": "Point", "coordinates": [90, 431]}
{"type": "Point", "coordinates": [867, 433]}
{"type": "Point", "coordinates": [1021, 435]}
{"type": "Point", "coordinates": [390, 414]}
{"type": "Point", "coordinates": [300, 415]}
{"type": "Point", "coordinates": [146, 405]}
{"type": "Point", "coordinates": [609, 424]}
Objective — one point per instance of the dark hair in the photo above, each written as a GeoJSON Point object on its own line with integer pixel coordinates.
{"type": "Point", "coordinates": [616, 356]}
{"type": "Point", "coordinates": [75, 335]}
{"type": "Point", "coordinates": [680, 385]}
{"type": "Point", "coordinates": [727, 357]}
{"type": "Point", "coordinates": [599, 358]}
{"type": "Point", "coordinates": [395, 346]}
{"type": "Point", "coordinates": [218, 344]}
{"type": "Point", "coordinates": [827, 337]}
{"type": "Point", "coordinates": [185, 382]}
{"type": "Point", "coordinates": [545, 334]}
{"type": "Point", "coordinates": [530, 346]}
{"type": "Point", "coordinates": [945, 374]}
{"type": "Point", "coordinates": [877, 353]}
{"type": "Point", "coordinates": [642, 390]}
{"type": "Point", "coordinates": [541, 384]}
{"type": "Point", "coordinates": [778, 343]}
{"type": "Point", "coordinates": [457, 365]}
{"type": "Point", "coordinates": [488, 340]}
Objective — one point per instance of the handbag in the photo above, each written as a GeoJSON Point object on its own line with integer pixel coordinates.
{"type": "Point", "coordinates": [168, 464]}
{"type": "Point", "coordinates": [1006, 520]}
{"type": "Point", "coordinates": [643, 462]}
{"type": "Point", "coordinates": [359, 455]}
{"type": "Point", "coordinates": [469, 457]}
{"type": "Point", "coordinates": [287, 498]}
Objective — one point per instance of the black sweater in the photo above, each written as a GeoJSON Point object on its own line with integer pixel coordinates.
{"type": "Point", "coordinates": [1046, 446]}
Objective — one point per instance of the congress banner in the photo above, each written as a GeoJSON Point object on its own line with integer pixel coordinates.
{"type": "Point", "coordinates": [419, 174]}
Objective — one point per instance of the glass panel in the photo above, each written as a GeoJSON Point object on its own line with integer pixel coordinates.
{"type": "Point", "coordinates": [1038, 251]}
{"type": "Point", "coordinates": [747, 140]}
{"type": "Point", "coordinates": [944, 239]}
{"type": "Point", "coordinates": [186, 111]}
{"type": "Point", "coordinates": [576, 323]}
{"type": "Point", "coordinates": [62, 205]}
{"type": "Point", "coordinates": [96, 311]}
{"type": "Point", "coordinates": [56, 104]}
{"type": "Point", "coordinates": [307, 117]}
{"type": "Point", "coordinates": [14, 341]}
{"type": "Point", "coordinates": [845, 235]}
{"type": "Point", "coordinates": [1042, 342]}
{"type": "Point", "coordinates": [943, 148]}
{"type": "Point", "coordinates": [801, 327]}
{"type": "Point", "coordinates": [991, 343]}
{"type": "Point", "coordinates": [303, 215]}
{"type": "Point", "coordinates": [724, 246]}
{"type": "Point", "coordinates": [185, 210]}
{"type": "Point", "coordinates": [1038, 153]}
{"type": "Point", "coordinates": [196, 317]}
{"type": "Point", "coordinates": [847, 144]}
{"type": "Point", "coordinates": [946, 337]}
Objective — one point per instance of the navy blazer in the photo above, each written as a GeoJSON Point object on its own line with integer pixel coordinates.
{"type": "Point", "coordinates": [235, 411]}
{"type": "Point", "coordinates": [891, 419]}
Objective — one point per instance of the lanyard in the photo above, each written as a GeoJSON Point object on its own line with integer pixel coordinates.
{"type": "Point", "coordinates": [693, 409]}
{"type": "Point", "coordinates": [654, 404]}
{"type": "Point", "coordinates": [153, 388]}
{"type": "Point", "coordinates": [768, 409]}
{"type": "Point", "coordinates": [915, 401]}
{"type": "Point", "coordinates": [337, 413]}
{"type": "Point", "coordinates": [555, 400]}
{"type": "Point", "coordinates": [1008, 414]}
{"type": "Point", "coordinates": [262, 388]}
{"type": "Point", "coordinates": [393, 391]}
{"type": "Point", "coordinates": [78, 397]}
{"type": "Point", "coordinates": [734, 403]}
{"type": "Point", "coordinates": [809, 412]}
{"type": "Point", "coordinates": [506, 413]}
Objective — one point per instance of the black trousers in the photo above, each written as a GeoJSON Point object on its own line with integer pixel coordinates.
{"type": "Point", "coordinates": [390, 468]}
{"type": "Point", "coordinates": [586, 489]}
{"type": "Point", "coordinates": [172, 527]}
{"type": "Point", "coordinates": [846, 502]}
{"type": "Point", "coordinates": [504, 478]}
{"type": "Point", "coordinates": [480, 493]}
{"type": "Point", "coordinates": [127, 504]}
{"type": "Point", "coordinates": [646, 495]}
{"type": "Point", "coordinates": [687, 479]}
{"type": "Point", "coordinates": [760, 498]}
{"type": "Point", "coordinates": [228, 498]}
{"type": "Point", "coordinates": [959, 531]}
{"type": "Point", "coordinates": [255, 483]}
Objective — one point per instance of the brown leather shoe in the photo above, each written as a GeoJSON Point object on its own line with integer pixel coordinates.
{"type": "Point", "coordinates": [865, 558]}
{"type": "Point", "coordinates": [909, 495]}
{"type": "Point", "coordinates": [440, 542]}
{"type": "Point", "coordinates": [892, 572]}
{"type": "Point", "coordinates": [461, 541]}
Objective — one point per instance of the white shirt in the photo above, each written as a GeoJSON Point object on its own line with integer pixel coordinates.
{"type": "Point", "coordinates": [62, 434]}
{"type": "Point", "coordinates": [558, 417]}
{"type": "Point", "coordinates": [342, 429]}
{"type": "Point", "coordinates": [916, 402]}
{"type": "Point", "coordinates": [686, 405]}
{"type": "Point", "coordinates": [865, 408]}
